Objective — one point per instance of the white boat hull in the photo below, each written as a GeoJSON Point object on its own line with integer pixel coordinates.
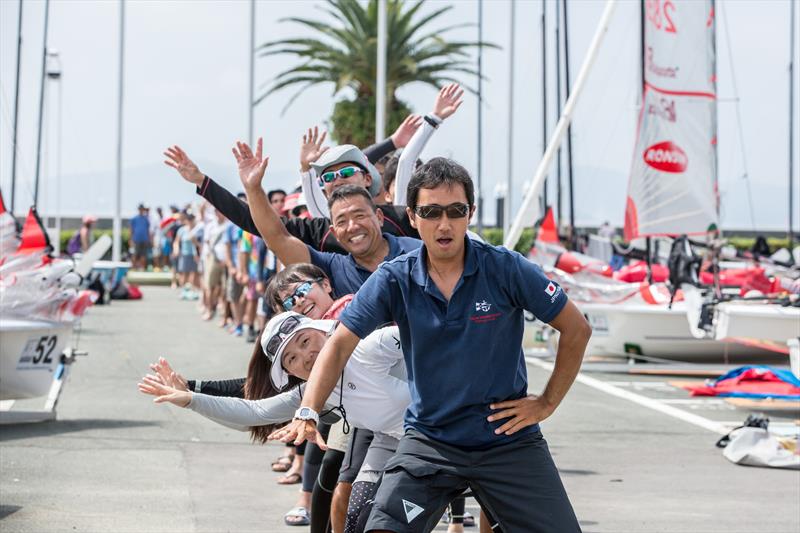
{"type": "Point", "coordinates": [771, 322]}
{"type": "Point", "coordinates": [652, 331]}
{"type": "Point", "coordinates": [30, 352]}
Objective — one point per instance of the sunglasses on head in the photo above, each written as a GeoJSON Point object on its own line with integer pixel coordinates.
{"type": "Point", "coordinates": [456, 210]}
{"type": "Point", "coordinates": [333, 175]}
{"type": "Point", "coordinates": [288, 326]}
{"type": "Point", "coordinates": [302, 290]}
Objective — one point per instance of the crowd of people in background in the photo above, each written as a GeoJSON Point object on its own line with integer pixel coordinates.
{"type": "Point", "coordinates": [211, 260]}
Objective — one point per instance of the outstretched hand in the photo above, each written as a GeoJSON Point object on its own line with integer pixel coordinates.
{"type": "Point", "coordinates": [154, 386]}
{"type": "Point", "coordinates": [523, 412]}
{"type": "Point", "coordinates": [251, 166]}
{"type": "Point", "coordinates": [448, 100]}
{"type": "Point", "coordinates": [402, 135]}
{"type": "Point", "coordinates": [168, 376]}
{"type": "Point", "coordinates": [311, 148]}
{"type": "Point", "coordinates": [177, 159]}
{"type": "Point", "coordinates": [297, 431]}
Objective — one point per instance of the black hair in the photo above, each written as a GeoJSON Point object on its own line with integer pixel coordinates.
{"type": "Point", "coordinates": [273, 192]}
{"type": "Point", "coordinates": [258, 386]}
{"type": "Point", "coordinates": [390, 171]}
{"type": "Point", "coordinates": [348, 191]}
{"type": "Point", "coordinates": [383, 161]}
{"type": "Point", "coordinates": [439, 171]}
{"type": "Point", "coordinates": [296, 273]}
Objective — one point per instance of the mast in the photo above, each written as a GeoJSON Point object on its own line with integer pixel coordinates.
{"type": "Point", "coordinates": [544, 94]}
{"type": "Point", "coordinates": [524, 213]}
{"type": "Point", "coordinates": [480, 116]}
{"type": "Point", "coordinates": [648, 241]}
{"type": "Point", "coordinates": [573, 240]}
{"type": "Point", "coordinates": [791, 126]}
{"type": "Point", "coordinates": [558, 109]}
{"type": "Point", "coordinates": [41, 105]}
{"type": "Point", "coordinates": [16, 111]}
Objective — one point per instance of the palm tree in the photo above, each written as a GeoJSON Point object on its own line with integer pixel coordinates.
{"type": "Point", "coordinates": [343, 52]}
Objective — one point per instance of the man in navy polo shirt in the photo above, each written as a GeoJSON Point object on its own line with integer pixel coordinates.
{"type": "Point", "coordinates": [355, 221]}
{"type": "Point", "coordinates": [459, 305]}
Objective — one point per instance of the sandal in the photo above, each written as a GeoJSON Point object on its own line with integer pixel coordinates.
{"type": "Point", "coordinates": [282, 463]}
{"type": "Point", "coordinates": [292, 479]}
{"type": "Point", "coordinates": [300, 516]}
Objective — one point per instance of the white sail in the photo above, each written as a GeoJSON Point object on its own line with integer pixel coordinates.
{"type": "Point", "coordinates": [672, 188]}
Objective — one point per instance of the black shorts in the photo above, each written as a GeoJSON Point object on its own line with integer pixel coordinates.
{"type": "Point", "coordinates": [354, 457]}
{"type": "Point", "coordinates": [516, 482]}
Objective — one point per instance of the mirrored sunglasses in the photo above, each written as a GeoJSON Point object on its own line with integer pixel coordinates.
{"type": "Point", "coordinates": [346, 172]}
{"type": "Point", "coordinates": [456, 210]}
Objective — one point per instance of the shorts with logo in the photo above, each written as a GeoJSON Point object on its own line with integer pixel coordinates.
{"type": "Point", "coordinates": [517, 482]}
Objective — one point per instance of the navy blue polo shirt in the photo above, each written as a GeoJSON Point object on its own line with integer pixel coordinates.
{"type": "Point", "coordinates": [463, 355]}
{"type": "Point", "coordinates": [346, 275]}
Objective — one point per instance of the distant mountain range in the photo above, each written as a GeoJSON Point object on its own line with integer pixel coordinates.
{"type": "Point", "coordinates": [599, 194]}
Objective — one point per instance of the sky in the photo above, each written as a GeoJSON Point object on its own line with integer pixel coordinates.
{"type": "Point", "coordinates": [186, 83]}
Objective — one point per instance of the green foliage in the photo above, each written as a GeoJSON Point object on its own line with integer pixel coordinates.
{"type": "Point", "coordinates": [495, 236]}
{"type": "Point", "coordinates": [746, 243]}
{"type": "Point", "coordinates": [354, 120]}
{"type": "Point", "coordinates": [343, 51]}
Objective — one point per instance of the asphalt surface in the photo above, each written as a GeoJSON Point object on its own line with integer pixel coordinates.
{"type": "Point", "coordinates": [113, 461]}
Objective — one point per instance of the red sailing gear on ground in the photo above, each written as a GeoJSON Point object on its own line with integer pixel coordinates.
{"type": "Point", "coordinates": [752, 382]}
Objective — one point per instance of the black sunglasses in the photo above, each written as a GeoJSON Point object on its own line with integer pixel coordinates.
{"type": "Point", "coordinates": [456, 210]}
{"type": "Point", "coordinates": [288, 326]}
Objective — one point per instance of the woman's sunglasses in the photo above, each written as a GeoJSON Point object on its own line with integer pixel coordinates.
{"type": "Point", "coordinates": [346, 172]}
{"type": "Point", "coordinates": [433, 212]}
{"type": "Point", "coordinates": [301, 291]}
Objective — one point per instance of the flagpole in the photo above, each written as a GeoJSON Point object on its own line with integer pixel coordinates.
{"type": "Point", "coordinates": [510, 141]}
{"type": "Point", "coordinates": [116, 253]}
{"type": "Point", "coordinates": [251, 58]}
{"type": "Point", "coordinates": [380, 82]}
{"type": "Point", "coordinates": [480, 117]}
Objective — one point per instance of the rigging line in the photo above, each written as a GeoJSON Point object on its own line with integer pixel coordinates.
{"type": "Point", "coordinates": [739, 128]}
{"type": "Point", "coordinates": [20, 157]}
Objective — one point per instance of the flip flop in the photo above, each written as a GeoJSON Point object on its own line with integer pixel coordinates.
{"type": "Point", "coordinates": [300, 514]}
{"type": "Point", "coordinates": [292, 479]}
{"type": "Point", "coordinates": [282, 464]}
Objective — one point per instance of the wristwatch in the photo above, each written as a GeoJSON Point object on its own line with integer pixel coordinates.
{"type": "Point", "coordinates": [307, 413]}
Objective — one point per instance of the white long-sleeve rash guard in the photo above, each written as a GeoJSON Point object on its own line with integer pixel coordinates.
{"type": "Point", "coordinates": [374, 392]}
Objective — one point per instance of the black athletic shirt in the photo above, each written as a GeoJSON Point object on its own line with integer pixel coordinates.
{"type": "Point", "coordinates": [314, 232]}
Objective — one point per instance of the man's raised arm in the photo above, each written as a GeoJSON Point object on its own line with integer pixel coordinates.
{"type": "Point", "coordinates": [229, 205]}
{"type": "Point", "coordinates": [287, 249]}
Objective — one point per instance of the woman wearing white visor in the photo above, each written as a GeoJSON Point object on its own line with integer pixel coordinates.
{"type": "Point", "coordinates": [372, 392]}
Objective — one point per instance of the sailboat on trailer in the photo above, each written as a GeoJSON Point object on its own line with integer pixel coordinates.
{"type": "Point", "coordinates": [672, 192]}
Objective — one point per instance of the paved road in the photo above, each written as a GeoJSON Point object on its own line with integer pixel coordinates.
{"type": "Point", "coordinates": [116, 462]}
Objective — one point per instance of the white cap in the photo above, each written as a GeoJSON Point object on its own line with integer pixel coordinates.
{"type": "Point", "coordinates": [283, 327]}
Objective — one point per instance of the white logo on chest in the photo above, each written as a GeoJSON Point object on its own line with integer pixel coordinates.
{"type": "Point", "coordinates": [483, 306]}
